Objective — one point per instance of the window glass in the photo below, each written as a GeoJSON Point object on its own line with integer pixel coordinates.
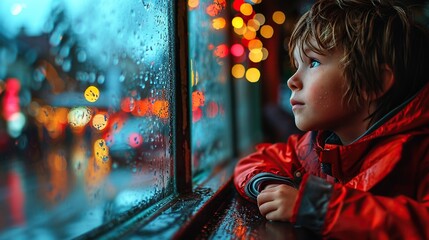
{"type": "Point", "coordinates": [210, 83]}
{"type": "Point", "coordinates": [86, 91]}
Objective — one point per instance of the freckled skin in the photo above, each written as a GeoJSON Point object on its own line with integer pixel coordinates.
{"type": "Point", "coordinates": [318, 85]}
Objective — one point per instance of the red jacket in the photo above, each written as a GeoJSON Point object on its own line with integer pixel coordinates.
{"type": "Point", "coordinates": [374, 188]}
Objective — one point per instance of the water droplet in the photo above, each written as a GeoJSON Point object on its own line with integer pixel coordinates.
{"type": "Point", "coordinates": [81, 56]}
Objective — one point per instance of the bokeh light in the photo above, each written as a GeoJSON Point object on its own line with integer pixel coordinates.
{"type": "Point", "coordinates": [253, 75]}
{"type": "Point", "coordinates": [237, 22]}
{"type": "Point", "coordinates": [236, 4]}
{"type": "Point", "coordinates": [135, 140]}
{"type": "Point", "coordinates": [100, 121]}
{"type": "Point", "coordinates": [212, 109]}
{"type": "Point", "coordinates": [279, 17]}
{"type": "Point", "coordinates": [142, 107]}
{"type": "Point", "coordinates": [198, 99]}
{"type": "Point", "coordinates": [161, 109]}
{"type": "Point", "coordinates": [249, 34]}
{"type": "Point", "coordinates": [255, 55]}
{"type": "Point", "coordinates": [197, 114]}
{"type": "Point", "coordinates": [221, 51]}
{"type": "Point", "coordinates": [127, 104]}
{"type": "Point", "coordinates": [265, 53]}
{"type": "Point", "coordinates": [240, 31]}
{"type": "Point", "coordinates": [101, 151]}
{"type": "Point", "coordinates": [267, 31]}
{"type": "Point", "coordinates": [237, 50]}
{"type": "Point", "coordinates": [218, 23]}
{"type": "Point", "coordinates": [246, 9]}
{"type": "Point", "coordinates": [255, 44]}
{"type": "Point", "coordinates": [238, 71]}
{"type": "Point", "coordinates": [79, 116]}
{"type": "Point", "coordinates": [193, 3]}
{"type": "Point", "coordinates": [260, 18]}
{"type": "Point", "coordinates": [92, 94]}
{"type": "Point", "coordinates": [15, 124]}
{"type": "Point", "coordinates": [253, 25]}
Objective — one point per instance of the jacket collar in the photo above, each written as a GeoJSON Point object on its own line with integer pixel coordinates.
{"type": "Point", "coordinates": [377, 151]}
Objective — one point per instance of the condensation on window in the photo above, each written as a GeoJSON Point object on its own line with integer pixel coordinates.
{"type": "Point", "coordinates": [209, 83]}
{"type": "Point", "coordinates": [86, 91]}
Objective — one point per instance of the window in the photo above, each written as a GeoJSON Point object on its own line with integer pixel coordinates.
{"type": "Point", "coordinates": [210, 84]}
{"type": "Point", "coordinates": [87, 124]}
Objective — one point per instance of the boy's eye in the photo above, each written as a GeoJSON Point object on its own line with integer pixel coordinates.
{"type": "Point", "coordinates": [314, 63]}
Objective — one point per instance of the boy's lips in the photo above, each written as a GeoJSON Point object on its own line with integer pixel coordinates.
{"type": "Point", "coordinates": [295, 104]}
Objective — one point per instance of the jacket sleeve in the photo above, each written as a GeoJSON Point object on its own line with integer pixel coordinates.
{"type": "Point", "coordinates": [340, 212]}
{"type": "Point", "coordinates": [271, 163]}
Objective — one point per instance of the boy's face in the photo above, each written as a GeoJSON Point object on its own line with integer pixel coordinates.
{"type": "Point", "coordinates": [318, 87]}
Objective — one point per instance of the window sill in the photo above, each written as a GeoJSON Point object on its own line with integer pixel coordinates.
{"type": "Point", "coordinates": [204, 213]}
{"type": "Point", "coordinates": [175, 216]}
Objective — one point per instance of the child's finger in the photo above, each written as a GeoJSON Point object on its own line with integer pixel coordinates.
{"type": "Point", "coordinates": [267, 207]}
{"type": "Point", "coordinates": [264, 197]}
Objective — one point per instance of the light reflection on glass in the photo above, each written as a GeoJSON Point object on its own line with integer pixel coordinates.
{"type": "Point", "coordinates": [85, 124]}
{"type": "Point", "coordinates": [209, 79]}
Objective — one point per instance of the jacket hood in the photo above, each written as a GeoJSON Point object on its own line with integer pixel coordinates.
{"type": "Point", "coordinates": [411, 116]}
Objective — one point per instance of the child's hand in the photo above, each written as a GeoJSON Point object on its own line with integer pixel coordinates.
{"type": "Point", "coordinates": [276, 202]}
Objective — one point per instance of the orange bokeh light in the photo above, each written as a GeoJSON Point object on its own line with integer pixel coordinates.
{"type": "Point", "coordinates": [142, 107]}
{"type": "Point", "coordinates": [198, 99]}
{"type": "Point", "coordinates": [161, 108]}
{"type": "Point", "coordinates": [193, 3]}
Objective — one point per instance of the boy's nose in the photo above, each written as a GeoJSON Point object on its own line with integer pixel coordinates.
{"type": "Point", "coordinates": [294, 83]}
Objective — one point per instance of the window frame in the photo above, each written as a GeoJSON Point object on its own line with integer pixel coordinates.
{"type": "Point", "coordinates": [199, 200]}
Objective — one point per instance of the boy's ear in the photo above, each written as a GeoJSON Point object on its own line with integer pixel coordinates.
{"type": "Point", "coordinates": [388, 79]}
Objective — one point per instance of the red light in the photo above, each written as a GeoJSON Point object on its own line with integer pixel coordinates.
{"type": "Point", "coordinates": [197, 114]}
{"type": "Point", "coordinates": [127, 104]}
{"type": "Point", "coordinates": [135, 140]}
{"type": "Point", "coordinates": [237, 4]}
{"type": "Point", "coordinates": [221, 51]}
{"type": "Point", "coordinates": [212, 109]}
{"type": "Point", "coordinates": [237, 50]}
{"type": "Point", "coordinates": [11, 98]}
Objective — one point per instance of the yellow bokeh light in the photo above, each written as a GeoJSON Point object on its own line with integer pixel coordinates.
{"type": "Point", "coordinates": [279, 17]}
{"type": "Point", "coordinates": [238, 71]}
{"type": "Point", "coordinates": [92, 93]}
{"type": "Point", "coordinates": [260, 18]}
{"type": "Point", "coordinates": [237, 22]}
{"type": "Point", "coordinates": [240, 31]}
{"type": "Point", "coordinates": [267, 31]}
{"type": "Point", "coordinates": [100, 121]}
{"type": "Point", "coordinates": [253, 75]}
{"type": "Point", "coordinates": [246, 9]}
{"type": "Point", "coordinates": [265, 53]}
{"type": "Point", "coordinates": [255, 44]}
{"type": "Point", "coordinates": [256, 1]}
{"type": "Point", "coordinates": [249, 34]}
{"type": "Point", "coordinates": [255, 55]}
{"type": "Point", "coordinates": [219, 23]}
{"type": "Point", "coordinates": [193, 3]}
{"type": "Point", "coordinates": [253, 24]}
{"type": "Point", "coordinates": [101, 151]}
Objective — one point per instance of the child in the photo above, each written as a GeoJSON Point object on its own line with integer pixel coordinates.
{"type": "Point", "coordinates": [360, 90]}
